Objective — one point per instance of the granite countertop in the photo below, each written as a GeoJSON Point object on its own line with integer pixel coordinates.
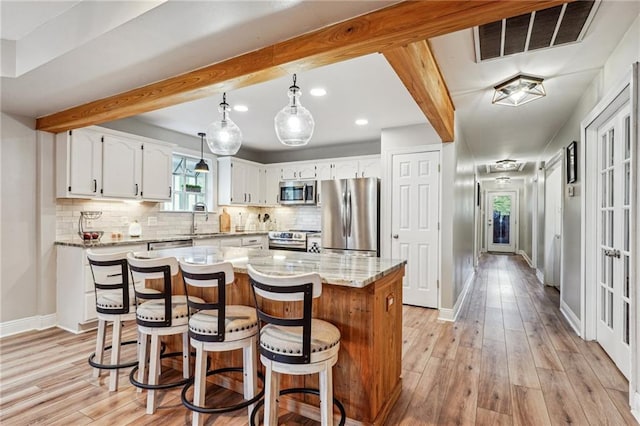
{"type": "Point", "coordinates": [107, 241]}
{"type": "Point", "coordinates": [344, 270]}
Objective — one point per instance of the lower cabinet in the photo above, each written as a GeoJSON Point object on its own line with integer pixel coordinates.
{"type": "Point", "coordinates": [76, 303]}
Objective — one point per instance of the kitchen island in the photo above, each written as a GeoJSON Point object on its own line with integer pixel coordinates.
{"type": "Point", "coordinates": [360, 295]}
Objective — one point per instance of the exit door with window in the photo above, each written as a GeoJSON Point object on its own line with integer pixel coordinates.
{"type": "Point", "coordinates": [501, 221]}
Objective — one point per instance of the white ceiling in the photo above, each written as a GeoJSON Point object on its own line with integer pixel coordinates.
{"type": "Point", "coordinates": [141, 45]}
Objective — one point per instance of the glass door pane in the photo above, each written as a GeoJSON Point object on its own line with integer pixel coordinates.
{"type": "Point", "coordinates": [501, 219]}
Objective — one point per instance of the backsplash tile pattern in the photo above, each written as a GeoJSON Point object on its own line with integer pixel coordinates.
{"type": "Point", "coordinates": [117, 215]}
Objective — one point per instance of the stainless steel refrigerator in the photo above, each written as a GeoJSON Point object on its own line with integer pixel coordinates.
{"type": "Point", "coordinates": [350, 212]}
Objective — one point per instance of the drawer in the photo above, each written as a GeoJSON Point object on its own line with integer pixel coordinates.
{"type": "Point", "coordinates": [231, 242]}
{"type": "Point", "coordinates": [251, 241]}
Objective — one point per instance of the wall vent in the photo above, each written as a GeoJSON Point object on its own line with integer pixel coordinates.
{"type": "Point", "coordinates": [543, 29]}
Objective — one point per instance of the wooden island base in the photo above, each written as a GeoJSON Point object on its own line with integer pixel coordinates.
{"type": "Point", "coordinates": [366, 378]}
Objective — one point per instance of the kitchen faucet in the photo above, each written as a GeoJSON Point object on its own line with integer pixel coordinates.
{"type": "Point", "coordinates": [198, 208]}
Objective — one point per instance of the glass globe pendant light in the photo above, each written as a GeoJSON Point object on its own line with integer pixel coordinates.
{"type": "Point", "coordinates": [202, 165]}
{"type": "Point", "coordinates": [224, 136]}
{"type": "Point", "coordinates": [294, 123]}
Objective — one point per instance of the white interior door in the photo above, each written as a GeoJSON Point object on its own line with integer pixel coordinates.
{"type": "Point", "coordinates": [502, 210]}
{"type": "Point", "coordinates": [613, 297]}
{"type": "Point", "coordinates": [553, 226]}
{"type": "Point", "coordinates": [414, 224]}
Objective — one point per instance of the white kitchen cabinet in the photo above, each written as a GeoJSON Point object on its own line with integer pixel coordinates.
{"type": "Point", "coordinates": [255, 241]}
{"type": "Point", "coordinates": [238, 182]}
{"type": "Point", "coordinates": [272, 186]}
{"type": "Point", "coordinates": [75, 297]}
{"type": "Point", "coordinates": [298, 171]}
{"type": "Point", "coordinates": [230, 242]}
{"type": "Point", "coordinates": [121, 167]}
{"type": "Point", "coordinates": [369, 167]}
{"type": "Point", "coordinates": [356, 168]}
{"type": "Point", "coordinates": [157, 168]}
{"type": "Point", "coordinates": [79, 164]}
{"type": "Point", "coordinates": [345, 169]}
{"type": "Point", "coordinates": [324, 172]}
{"type": "Point", "coordinates": [215, 242]}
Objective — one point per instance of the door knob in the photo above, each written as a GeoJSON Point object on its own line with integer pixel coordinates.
{"type": "Point", "coordinates": [395, 236]}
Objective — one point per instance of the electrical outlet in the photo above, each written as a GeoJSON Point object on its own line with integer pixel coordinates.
{"type": "Point", "coordinates": [124, 220]}
{"type": "Point", "coordinates": [152, 221]}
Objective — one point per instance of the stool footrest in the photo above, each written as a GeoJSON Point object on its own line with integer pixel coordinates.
{"type": "Point", "coordinates": [147, 386]}
{"type": "Point", "coordinates": [218, 410]}
{"type": "Point", "coordinates": [310, 391]}
{"type": "Point", "coordinates": [113, 366]}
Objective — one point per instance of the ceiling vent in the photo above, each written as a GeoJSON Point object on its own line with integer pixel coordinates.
{"type": "Point", "coordinates": [537, 30]}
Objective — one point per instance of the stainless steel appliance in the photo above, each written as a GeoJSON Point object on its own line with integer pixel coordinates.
{"type": "Point", "coordinates": [297, 192]}
{"type": "Point", "coordinates": [350, 211]}
{"type": "Point", "coordinates": [160, 245]}
{"type": "Point", "coordinates": [288, 240]}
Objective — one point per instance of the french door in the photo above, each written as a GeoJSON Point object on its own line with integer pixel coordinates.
{"type": "Point", "coordinates": [414, 224]}
{"type": "Point", "coordinates": [501, 221]}
{"type": "Point", "coordinates": [613, 295]}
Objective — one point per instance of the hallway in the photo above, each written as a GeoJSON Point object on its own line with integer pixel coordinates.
{"type": "Point", "coordinates": [511, 358]}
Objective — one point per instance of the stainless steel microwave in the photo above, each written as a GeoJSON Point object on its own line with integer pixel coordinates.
{"type": "Point", "coordinates": [297, 192]}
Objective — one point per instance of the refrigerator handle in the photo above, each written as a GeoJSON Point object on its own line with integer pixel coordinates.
{"type": "Point", "coordinates": [349, 214]}
{"type": "Point", "coordinates": [343, 210]}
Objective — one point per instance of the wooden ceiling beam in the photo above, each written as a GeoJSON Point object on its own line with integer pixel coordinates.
{"type": "Point", "coordinates": [420, 74]}
{"type": "Point", "coordinates": [381, 30]}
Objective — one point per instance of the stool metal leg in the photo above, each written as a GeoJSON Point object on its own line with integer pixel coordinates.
{"type": "Point", "coordinates": [200, 383]}
{"type": "Point", "coordinates": [115, 354]}
{"type": "Point", "coordinates": [326, 396]}
{"type": "Point", "coordinates": [102, 325]}
{"type": "Point", "coordinates": [271, 396]}
{"type": "Point", "coordinates": [250, 366]}
{"type": "Point", "coordinates": [154, 372]}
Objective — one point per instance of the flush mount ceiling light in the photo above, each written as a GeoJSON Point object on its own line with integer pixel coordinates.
{"type": "Point", "coordinates": [202, 166]}
{"type": "Point", "coordinates": [224, 136]}
{"type": "Point", "coordinates": [317, 91]}
{"type": "Point", "coordinates": [362, 121]}
{"type": "Point", "coordinates": [506, 164]}
{"type": "Point", "coordinates": [503, 179]}
{"type": "Point", "coordinates": [519, 90]}
{"type": "Point", "coordinates": [294, 123]}
{"type": "Point", "coordinates": [240, 108]}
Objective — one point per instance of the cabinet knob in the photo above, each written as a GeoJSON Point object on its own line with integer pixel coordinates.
{"type": "Point", "coordinates": [395, 236]}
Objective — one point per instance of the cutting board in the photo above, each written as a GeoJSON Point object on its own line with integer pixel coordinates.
{"type": "Point", "coordinates": [225, 221]}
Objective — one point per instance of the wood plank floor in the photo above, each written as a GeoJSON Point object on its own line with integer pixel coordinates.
{"type": "Point", "coordinates": [510, 359]}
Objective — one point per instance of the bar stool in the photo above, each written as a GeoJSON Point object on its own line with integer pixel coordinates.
{"type": "Point", "coordinates": [158, 314]}
{"type": "Point", "coordinates": [295, 346]}
{"type": "Point", "coordinates": [218, 327]}
{"type": "Point", "coordinates": [111, 287]}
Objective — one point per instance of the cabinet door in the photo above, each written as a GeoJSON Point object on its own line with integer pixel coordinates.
{"type": "Point", "coordinates": [369, 168]}
{"type": "Point", "coordinates": [272, 185]}
{"type": "Point", "coordinates": [238, 183]}
{"type": "Point", "coordinates": [307, 171]}
{"type": "Point", "coordinates": [289, 172]}
{"type": "Point", "coordinates": [85, 163]}
{"type": "Point", "coordinates": [345, 169]}
{"type": "Point", "coordinates": [156, 172]}
{"type": "Point", "coordinates": [252, 184]}
{"type": "Point", "coordinates": [231, 242]}
{"type": "Point", "coordinates": [323, 172]}
{"type": "Point", "coordinates": [215, 242]}
{"type": "Point", "coordinates": [121, 167]}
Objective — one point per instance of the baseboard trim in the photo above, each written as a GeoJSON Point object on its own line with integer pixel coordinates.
{"type": "Point", "coordinates": [540, 276]}
{"type": "Point", "coordinates": [571, 317]}
{"type": "Point", "coordinates": [526, 257]}
{"type": "Point", "coordinates": [635, 408]}
{"type": "Point", "coordinates": [446, 314]}
{"type": "Point", "coordinates": [38, 322]}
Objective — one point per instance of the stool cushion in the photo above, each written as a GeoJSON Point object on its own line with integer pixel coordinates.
{"type": "Point", "coordinates": [153, 310]}
{"type": "Point", "coordinates": [111, 300]}
{"type": "Point", "coordinates": [288, 340]}
{"type": "Point", "coordinates": [237, 318]}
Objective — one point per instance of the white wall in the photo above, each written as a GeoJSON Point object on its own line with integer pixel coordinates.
{"type": "Point", "coordinates": [457, 211]}
{"type": "Point", "coordinates": [18, 261]}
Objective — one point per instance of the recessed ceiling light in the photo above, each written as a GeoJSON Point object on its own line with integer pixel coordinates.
{"type": "Point", "coordinates": [362, 121]}
{"type": "Point", "coordinates": [317, 91]}
{"type": "Point", "coordinates": [241, 108]}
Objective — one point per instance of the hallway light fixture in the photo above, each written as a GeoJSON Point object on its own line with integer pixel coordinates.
{"type": "Point", "coordinates": [503, 179]}
{"type": "Point", "coordinates": [224, 136]}
{"type": "Point", "coordinates": [506, 164]}
{"type": "Point", "coordinates": [518, 90]}
{"type": "Point", "coordinates": [202, 165]}
{"type": "Point", "coordinates": [294, 124]}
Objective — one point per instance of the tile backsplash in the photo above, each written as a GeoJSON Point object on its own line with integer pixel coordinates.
{"type": "Point", "coordinates": [117, 215]}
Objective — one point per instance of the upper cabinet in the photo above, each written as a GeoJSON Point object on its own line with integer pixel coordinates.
{"type": "Point", "coordinates": [272, 186]}
{"type": "Point", "coordinates": [156, 172]}
{"type": "Point", "coordinates": [298, 171]}
{"type": "Point", "coordinates": [101, 163]}
{"type": "Point", "coordinates": [239, 182]}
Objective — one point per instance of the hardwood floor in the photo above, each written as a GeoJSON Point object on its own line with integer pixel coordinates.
{"type": "Point", "coordinates": [510, 359]}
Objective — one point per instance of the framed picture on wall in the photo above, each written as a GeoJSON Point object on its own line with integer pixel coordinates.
{"type": "Point", "coordinates": [572, 163]}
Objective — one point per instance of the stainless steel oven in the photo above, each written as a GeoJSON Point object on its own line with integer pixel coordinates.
{"type": "Point", "coordinates": [297, 192]}
{"type": "Point", "coordinates": [294, 241]}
